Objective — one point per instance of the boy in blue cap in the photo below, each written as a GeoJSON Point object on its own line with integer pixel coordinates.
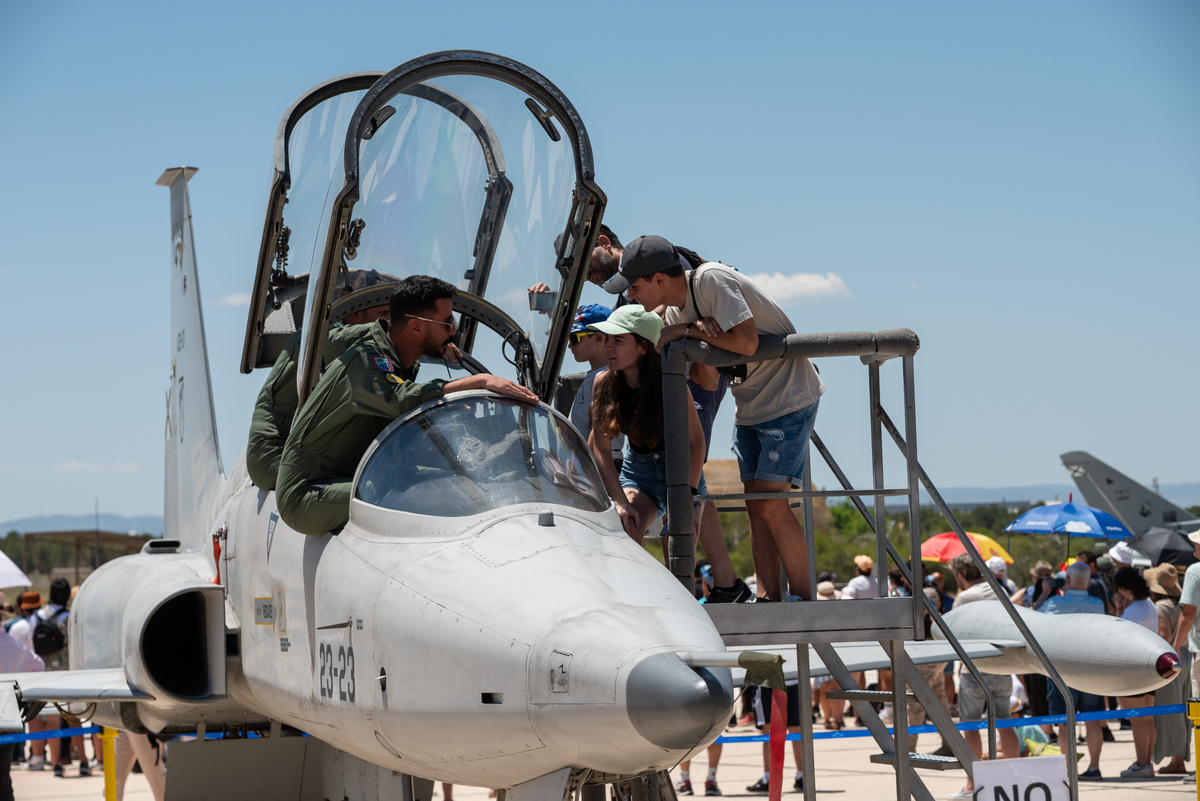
{"type": "Point", "coordinates": [587, 345]}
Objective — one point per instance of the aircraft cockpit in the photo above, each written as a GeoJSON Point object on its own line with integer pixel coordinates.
{"type": "Point", "coordinates": [473, 452]}
{"type": "Point", "coordinates": [461, 165]}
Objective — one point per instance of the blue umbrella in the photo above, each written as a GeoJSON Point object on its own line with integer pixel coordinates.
{"type": "Point", "coordinates": [1072, 519]}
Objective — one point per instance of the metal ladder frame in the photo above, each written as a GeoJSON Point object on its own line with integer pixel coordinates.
{"type": "Point", "coordinates": [745, 625]}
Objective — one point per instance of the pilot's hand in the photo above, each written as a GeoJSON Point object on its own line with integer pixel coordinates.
{"type": "Point", "coordinates": [506, 387]}
{"type": "Point", "coordinates": [452, 353]}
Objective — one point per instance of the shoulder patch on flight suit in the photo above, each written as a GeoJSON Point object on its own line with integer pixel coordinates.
{"type": "Point", "coordinates": [383, 363]}
{"type": "Point", "coordinates": [395, 379]}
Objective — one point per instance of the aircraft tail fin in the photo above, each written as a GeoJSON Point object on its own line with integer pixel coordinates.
{"type": "Point", "coordinates": [195, 478]}
{"type": "Point", "coordinates": [1122, 497]}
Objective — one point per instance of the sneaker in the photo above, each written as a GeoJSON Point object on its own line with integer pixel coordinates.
{"type": "Point", "coordinates": [36, 763]}
{"type": "Point", "coordinates": [957, 794]}
{"type": "Point", "coordinates": [945, 750]}
{"type": "Point", "coordinates": [59, 772]}
{"type": "Point", "coordinates": [1091, 775]}
{"type": "Point", "coordinates": [1136, 771]}
{"type": "Point", "coordinates": [711, 788]}
{"type": "Point", "coordinates": [739, 593]}
{"type": "Point", "coordinates": [798, 785]}
{"type": "Point", "coordinates": [1189, 779]}
{"type": "Point", "coordinates": [683, 787]}
{"type": "Point", "coordinates": [1106, 735]}
{"type": "Point", "coordinates": [758, 787]}
{"type": "Point", "coordinates": [885, 715]}
{"type": "Point", "coordinates": [84, 769]}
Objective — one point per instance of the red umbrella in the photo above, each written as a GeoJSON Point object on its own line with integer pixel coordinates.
{"type": "Point", "coordinates": [945, 546]}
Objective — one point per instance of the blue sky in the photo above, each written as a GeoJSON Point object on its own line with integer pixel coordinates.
{"type": "Point", "coordinates": [1019, 183]}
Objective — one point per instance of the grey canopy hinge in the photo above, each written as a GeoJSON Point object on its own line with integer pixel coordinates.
{"type": "Point", "coordinates": [354, 237]}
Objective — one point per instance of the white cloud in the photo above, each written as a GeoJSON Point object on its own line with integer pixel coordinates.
{"type": "Point", "coordinates": [96, 468]}
{"type": "Point", "coordinates": [789, 290]}
{"type": "Point", "coordinates": [236, 299]}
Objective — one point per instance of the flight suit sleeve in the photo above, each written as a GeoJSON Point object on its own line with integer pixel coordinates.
{"type": "Point", "coordinates": [386, 394]}
{"type": "Point", "coordinates": [341, 338]}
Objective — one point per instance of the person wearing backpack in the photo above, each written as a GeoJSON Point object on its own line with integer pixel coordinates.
{"type": "Point", "coordinates": [50, 643]}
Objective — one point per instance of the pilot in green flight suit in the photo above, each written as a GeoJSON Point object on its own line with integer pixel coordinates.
{"type": "Point", "coordinates": [367, 387]}
{"type": "Point", "coordinates": [277, 400]}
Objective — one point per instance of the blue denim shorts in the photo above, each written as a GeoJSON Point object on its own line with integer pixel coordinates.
{"type": "Point", "coordinates": [775, 450]}
{"type": "Point", "coordinates": [1084, 702]}
{"type": "Point", "coordinates": [647, 473]}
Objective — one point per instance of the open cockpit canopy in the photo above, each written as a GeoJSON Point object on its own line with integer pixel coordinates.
{"type": "Point", "coordinates": [461, 165]}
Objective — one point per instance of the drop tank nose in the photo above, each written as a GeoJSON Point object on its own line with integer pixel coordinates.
{"type": "Point", "coordinates": [675, 706]}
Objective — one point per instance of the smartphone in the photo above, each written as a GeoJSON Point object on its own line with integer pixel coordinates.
{"type": "Point", "coordinates": [542, 301]}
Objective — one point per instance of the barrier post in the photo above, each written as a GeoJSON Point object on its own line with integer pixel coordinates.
{"type": "Point", "coordinates": [107, 736]}
{"type": "Point", "coordinates": [1193, 713]}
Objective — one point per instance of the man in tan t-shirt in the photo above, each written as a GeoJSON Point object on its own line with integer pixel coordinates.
{"type": "Point", "coordinates": [776, 401]}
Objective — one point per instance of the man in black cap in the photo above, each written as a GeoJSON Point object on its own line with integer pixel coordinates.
{"type": "Point", "coordinates": [776, 400]}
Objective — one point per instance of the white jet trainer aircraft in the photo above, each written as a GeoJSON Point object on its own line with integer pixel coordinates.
{"type": "Point", "coordinates": [482, 619]}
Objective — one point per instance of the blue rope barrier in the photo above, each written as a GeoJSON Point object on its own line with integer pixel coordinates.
{"type": "Point", "coordinates": [976, 725]}
{"type": "Point", "coordinates": [53, 734]}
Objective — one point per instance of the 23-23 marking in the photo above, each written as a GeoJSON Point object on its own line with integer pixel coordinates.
{"type": "Point", "coordinates": [337, 672]}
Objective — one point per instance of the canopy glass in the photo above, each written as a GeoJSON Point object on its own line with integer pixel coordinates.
{"type": "Point", "coordinates": [474, 453]}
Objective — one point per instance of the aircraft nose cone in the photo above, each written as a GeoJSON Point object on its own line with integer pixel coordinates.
{"type": "Point", "coordinates": [675, 706]}
{"type": "Point", "coordinates": [1168, 665]}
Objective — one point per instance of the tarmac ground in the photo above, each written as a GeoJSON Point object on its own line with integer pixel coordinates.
{"type": "Point", "coordinates": [842, 772]}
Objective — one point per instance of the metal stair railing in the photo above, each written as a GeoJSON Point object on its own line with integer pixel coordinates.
{"type": "Point", "coordinates": [873, 349]}
{"type": "Point", "coordinates": [953, 736]}
{"type": "Point", "coordinates": [1006, 602]}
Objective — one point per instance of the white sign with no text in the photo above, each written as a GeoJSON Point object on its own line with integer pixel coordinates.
{"type": "Point", "coordinates": [1028, 779]}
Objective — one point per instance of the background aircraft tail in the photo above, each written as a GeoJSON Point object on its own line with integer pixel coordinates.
{"type": "Point", "coordinates": [1122, 497]}
{"type": "Point", "coordinates": [195, 478]}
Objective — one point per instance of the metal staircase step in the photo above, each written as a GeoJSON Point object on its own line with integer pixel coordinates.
{"type": "Point", "coordinates": [879, 696]}
{"type": "Point", "coordinates": [923, 761]}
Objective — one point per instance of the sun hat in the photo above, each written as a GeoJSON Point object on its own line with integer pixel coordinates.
{"type": "Point", "coordinates": [1195, 536]}
{"type": "Point", "coordinates": [998, 566]}
{"type": "Point", "coordinates": [826, 591]}
{"type": "Point", "coordinates": [632, 318]}
{"type": "Point", "coordinates": [1163, 579]}
{"type": "Point", "coordinates": [586, 315]}
{"type": "Point", "coordinates": [864, 562]}
{"type": "Point", "coordinates": [643, 256]}
{"type": "Point", "coordinates": [1121, 553]}
{"type": "Point", "coordinates": [30, 600]}
{"type": "Point", "coordinates": [1042, 568]}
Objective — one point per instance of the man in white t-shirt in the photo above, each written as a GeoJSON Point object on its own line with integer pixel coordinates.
{"type": "Point", "coordinates": [776, 400]}
{"type": "Point", "coordinates": [864, 584]}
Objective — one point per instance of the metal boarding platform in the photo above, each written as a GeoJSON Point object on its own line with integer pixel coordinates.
{"type": "Point", "coordinates": [888, 621]}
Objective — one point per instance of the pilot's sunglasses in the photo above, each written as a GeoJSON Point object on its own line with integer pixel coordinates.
{"type": "Point", "coordinates": [449, 322]}
{"type": "Point", "coordinates": [578, 336]}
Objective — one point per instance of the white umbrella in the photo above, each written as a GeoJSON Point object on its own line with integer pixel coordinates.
{"type": "Point", "coordinates": [10, 574]}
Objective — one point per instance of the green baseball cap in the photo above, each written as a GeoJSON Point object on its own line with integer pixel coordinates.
{"type": "Point", "coordinates": [632, 318]}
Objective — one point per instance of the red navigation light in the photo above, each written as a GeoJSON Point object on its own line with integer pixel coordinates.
{"type": "Point", "coordinates": [1167, 665]}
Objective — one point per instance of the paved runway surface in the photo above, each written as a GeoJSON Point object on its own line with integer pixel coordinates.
{"type": "Point", "coordinates": [843, 772]}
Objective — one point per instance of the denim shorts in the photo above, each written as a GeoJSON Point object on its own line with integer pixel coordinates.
{"type": "Point", "coordinates": [775, 450]}
{"type": "Point", "coordinates": [647, 473]}
{"type": "Point", "coordinates": [1084, 702]}
{"type": "Point", "coordinates": [707, 404]}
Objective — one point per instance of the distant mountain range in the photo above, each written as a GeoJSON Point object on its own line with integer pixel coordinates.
{"type": "Point", "coordinates": [141, 524]}
{"type": "Point", "coordinates": [1184, 495]}
{"type": "Point", "coordinates": [1181, 494]}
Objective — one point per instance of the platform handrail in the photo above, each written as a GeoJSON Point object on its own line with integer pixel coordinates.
{"type": "Point", "coordinates": [1006, 602]}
